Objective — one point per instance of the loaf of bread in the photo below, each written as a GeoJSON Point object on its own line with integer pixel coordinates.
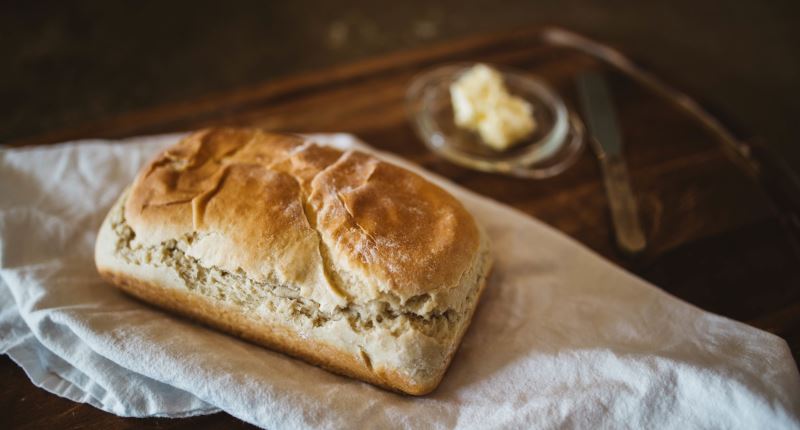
{"type": "Point", "coordinates": [337, 258]}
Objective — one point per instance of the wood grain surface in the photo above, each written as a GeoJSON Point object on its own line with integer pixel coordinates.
{"type": "Point", "coordinates": [721, 228]}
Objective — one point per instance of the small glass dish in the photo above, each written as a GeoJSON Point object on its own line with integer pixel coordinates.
{"type": "Point", "coordinates": [553, 146]}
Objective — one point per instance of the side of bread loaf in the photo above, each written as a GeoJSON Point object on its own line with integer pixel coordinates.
{"type": "Point", "coordinates": [337, 258]}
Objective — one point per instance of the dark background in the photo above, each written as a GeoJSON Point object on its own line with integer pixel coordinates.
{"type": "Point", "coordinates": [69, 62]}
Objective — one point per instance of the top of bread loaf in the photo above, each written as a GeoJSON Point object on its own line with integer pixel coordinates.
{"type": "Point", "coordinates": [343, 227]}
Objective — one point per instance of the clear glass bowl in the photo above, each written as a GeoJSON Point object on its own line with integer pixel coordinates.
{"type": "Point", "coordinates": [554, 145]}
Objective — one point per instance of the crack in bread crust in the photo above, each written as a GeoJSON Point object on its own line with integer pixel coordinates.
{"type": "Point", "coordinates": [386, 230]}
{"type": "Point", "coordinates": [211, 281]}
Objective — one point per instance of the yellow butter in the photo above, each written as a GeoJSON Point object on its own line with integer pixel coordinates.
{"type": "Point", "coordinates": [481, 103]}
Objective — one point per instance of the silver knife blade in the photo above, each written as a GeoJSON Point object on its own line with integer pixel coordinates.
{"type": "Point", "coordinates": [599, 113]}
{"type": "Point", "coordinates": [607, 143]}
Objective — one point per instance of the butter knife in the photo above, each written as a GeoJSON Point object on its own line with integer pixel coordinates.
{"type": "Point", "coordinates": [604, 137]}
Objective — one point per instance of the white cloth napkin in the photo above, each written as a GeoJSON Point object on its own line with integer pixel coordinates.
{"type": "Point", "coordinates": [562, 338]}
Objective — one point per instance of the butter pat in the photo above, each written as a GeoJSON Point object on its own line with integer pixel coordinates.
{"type": "Point", "coordinates": [481, 103]}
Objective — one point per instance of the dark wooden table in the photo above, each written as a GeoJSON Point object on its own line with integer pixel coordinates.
{"type": "Point", "coordinates": [721, 218]}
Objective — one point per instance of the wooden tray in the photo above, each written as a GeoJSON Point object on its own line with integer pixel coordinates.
{"type": "Point", "coordinates": [721, 217]}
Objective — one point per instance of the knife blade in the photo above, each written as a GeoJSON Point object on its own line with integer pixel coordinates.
{"type": "Point", "coordinates": [606, 141]}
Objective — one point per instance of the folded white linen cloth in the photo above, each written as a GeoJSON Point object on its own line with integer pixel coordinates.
{"type": "Point", "coordinates": [562, 338]}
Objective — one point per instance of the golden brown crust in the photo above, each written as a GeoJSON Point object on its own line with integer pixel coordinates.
{"type": "Point", "coordinates": [278, 338]}
{"type": "Point", "coordinates": [358, 223]}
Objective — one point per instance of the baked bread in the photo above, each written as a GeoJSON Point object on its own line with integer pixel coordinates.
{"type": "Point", "coordinates": [337, 258]}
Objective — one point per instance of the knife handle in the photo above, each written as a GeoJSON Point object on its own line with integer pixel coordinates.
{"type": "Point", "coordinates": [624, 212]}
